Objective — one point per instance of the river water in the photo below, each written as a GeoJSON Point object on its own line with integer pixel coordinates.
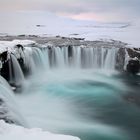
{"type": "Point", "coordinates": [90, 104]}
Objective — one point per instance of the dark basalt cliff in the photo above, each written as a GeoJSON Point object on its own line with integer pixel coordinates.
{"type": "Point", "coordinates": [128, 60]}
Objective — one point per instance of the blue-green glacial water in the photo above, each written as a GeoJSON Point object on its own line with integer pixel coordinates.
{"type": "Point", "coordinates": [90, 104]}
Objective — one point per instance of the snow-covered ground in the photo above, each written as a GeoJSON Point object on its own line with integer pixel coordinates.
{"type": "Point", "coordinates": [48, 24]}
{"type": "Point", "coordinates": [9, 45]}
{"type": "Point", "coordinates": [13, 132]}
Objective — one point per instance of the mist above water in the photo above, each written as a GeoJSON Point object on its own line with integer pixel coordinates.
{"type": "Point", "coordinates": [84, 103]}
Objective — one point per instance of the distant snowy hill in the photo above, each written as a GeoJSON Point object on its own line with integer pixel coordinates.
{"type": "Point", "coordinates": [45, 23]}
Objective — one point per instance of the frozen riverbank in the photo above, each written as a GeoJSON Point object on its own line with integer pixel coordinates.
{"type": "Point", "coordinates": [13, 132]}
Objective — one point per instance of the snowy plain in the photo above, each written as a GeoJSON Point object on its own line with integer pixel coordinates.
{"type": "Point", "coordinates": [48, 24]}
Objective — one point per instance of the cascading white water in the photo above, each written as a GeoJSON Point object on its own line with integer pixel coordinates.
{"type": "Point", "coordinates": [16, 74]}
{"type": "Point", "coordinates": [75, 57]}
{"type": "Point", "coordinates": [9, 108]}
{"type": "Point", "coordinates": [38, 57]}
{"type": "Point", "coordinates": [110, 60]}
{"type": "Point", "coordinates": [59, 57]}
{"type": "Point", "coordinates": [65, 54]}
{"type": "Point", "coordinates": [29, 62]}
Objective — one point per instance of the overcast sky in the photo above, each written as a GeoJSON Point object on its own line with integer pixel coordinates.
{"type": "Point", "coordinates": [111, 10]}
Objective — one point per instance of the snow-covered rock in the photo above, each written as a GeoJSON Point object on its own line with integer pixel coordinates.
{"type": "Point", "coordinates": [10, 45]}
{"type": "Point", "coordinates": [14, 132]}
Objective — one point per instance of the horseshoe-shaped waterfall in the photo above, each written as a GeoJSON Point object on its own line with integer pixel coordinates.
{"type": "Point", "coordinates": [84, 91]}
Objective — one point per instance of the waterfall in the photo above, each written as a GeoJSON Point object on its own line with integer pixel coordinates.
{"type": "Point", "coordinates": [38, 57]}
{"type": "Point", "coordinates": [9, 110]}
{"type": "Point", "coordinates": [29, 62]}
{"type": "Point", "coordinates": [110, 60]}
{"type": "Point", "coordinates": [59, 56]}
{"type": "Point", "coordinates": [45, 53]}
{"type": "Point", "coordinates": [75, 57]}
{"type": "Point", "coordinates": [16, 74]}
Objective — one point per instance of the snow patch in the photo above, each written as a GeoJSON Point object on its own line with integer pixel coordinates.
{"type": "Point", "coordinates": [14, 132]}
{"type": "Point", "coordinates": [9, 45]}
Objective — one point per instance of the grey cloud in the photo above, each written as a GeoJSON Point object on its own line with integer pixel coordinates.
{"type": "Point", "coordinates": [122, 8]}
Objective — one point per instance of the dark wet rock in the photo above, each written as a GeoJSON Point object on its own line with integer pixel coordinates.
{"type": "Point", "coordinates": [25, 69]}
{"type": "Point", "coordinates": [1, 101]}
{"type": "Point", "coordinates": [4, 56]}
{"type": "Point", "coordinates": [21, 59]}
{"type": "Point", "coordinates": [74, 34]}
{"type": "Point", "coordinates": [21, 62]}
{"type": "Point", "coordinates": [132, 61]}
{"type": "Point", "coordinates": [120, 59]}
{"type": "Point", "coordinates": [7, 68]}
{"type": "Point", "coordinates": [40, 25]}
{"type": "Point", "coordinates": [19, 46]}
{"type": "Point", "coordinates": [70, 51]}
{"type": "Point", "coordinates": [133, 66]}
{"type": "Point", "coordinates": [4, 71]}
{"type": "Point", "coordinates": [136, 49]}
{"type": "Point", "coordinates": [134, 53]}
{"type": "Point", "coordinates": [21, 35]}
{"type": "Point", "coordinates": [78, 38]}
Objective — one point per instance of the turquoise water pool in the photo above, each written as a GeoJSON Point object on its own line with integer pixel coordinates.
{"type": "Point", "coordinates": [90, 104]}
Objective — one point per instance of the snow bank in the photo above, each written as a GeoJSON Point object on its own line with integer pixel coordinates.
{"type": "Point", "coordinates": [22, 42]}
{"type": "Point", "coordinates": [9, 45]}
{"type": "Point", "coordinates": [13, 132]}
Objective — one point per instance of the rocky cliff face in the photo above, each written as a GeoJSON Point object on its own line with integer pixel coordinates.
{"type": "Point", "coordinates": [128, 60]}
